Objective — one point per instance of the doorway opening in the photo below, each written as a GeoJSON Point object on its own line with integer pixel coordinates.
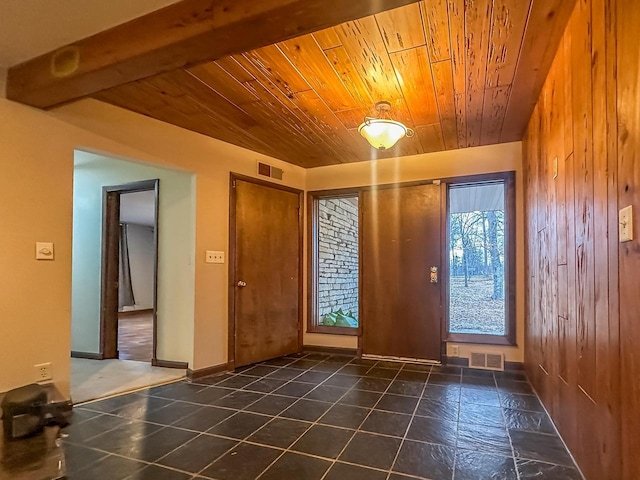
{"type": "Point", "coordinates": [135, 321]}
{"type": "Point", "coordinates": [129, 211]}
{"type": "Point", "coordinates": [132, 308]}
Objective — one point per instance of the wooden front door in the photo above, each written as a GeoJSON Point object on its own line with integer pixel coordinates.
{"type": "Point", "coordinates": [266, 273]}
{"type": "Point", "coordinates": [401, 241]}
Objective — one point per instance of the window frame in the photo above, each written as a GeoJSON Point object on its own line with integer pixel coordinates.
{"type": "Point", "coordinates": [510, 277]}
{"type": "Point", "coordinates": [313, 218]}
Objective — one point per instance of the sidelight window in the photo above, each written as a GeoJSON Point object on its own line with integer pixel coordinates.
{"type": "Point", "coordinates": [481, 266]}
{"type": "Point", "coordinates": [334, 253]}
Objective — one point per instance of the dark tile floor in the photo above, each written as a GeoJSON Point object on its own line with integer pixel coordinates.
{"type": "Point", "coordinates": [315, 417]}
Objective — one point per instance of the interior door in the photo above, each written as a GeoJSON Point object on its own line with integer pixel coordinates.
{"type": "Point", "coordinates": [110, 277]}
{"type": "Point", "coordinates": [401, 307]}
{"type": "Point", "coordinates": [266, 279]}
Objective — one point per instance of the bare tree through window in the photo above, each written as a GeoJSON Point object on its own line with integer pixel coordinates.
{"type": "Point", "coordinates": [476, 256]}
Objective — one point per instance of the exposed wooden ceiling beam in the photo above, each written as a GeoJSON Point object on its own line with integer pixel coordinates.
{"type": "Point", "coordinates": [183, 34]}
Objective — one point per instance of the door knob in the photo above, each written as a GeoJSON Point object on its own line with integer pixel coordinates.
{"type": "Point", "coordinates": [434, 274]}
{"type": "Point", "coordinates": [242, 284]}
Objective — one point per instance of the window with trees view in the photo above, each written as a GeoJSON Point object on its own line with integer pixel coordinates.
{"type": "Point", "coordinates": [478, 259]}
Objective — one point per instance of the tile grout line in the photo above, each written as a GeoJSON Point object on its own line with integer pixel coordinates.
{"type": "Point", "coordinates": [504, 418]}
{"type": "Point", "coordinates": [406, 432]}
{"type": "Point", "coordinates": [263, 394]}
{"type": "Point", "coordinates": [364, 420]}
{"type": "Point", "coordinates": [268, 422]}
{"type": "Point", "coordinates": [200, 433]}
{"type": "Point", "coordinates": [288, 449]}
{"type": "Point", "coordinates": [278, 416]}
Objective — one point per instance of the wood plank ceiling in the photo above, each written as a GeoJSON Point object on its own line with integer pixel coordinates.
{"type": "Point", "coordinates": [462, 73]}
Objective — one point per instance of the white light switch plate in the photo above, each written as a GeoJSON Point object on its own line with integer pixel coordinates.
{"type": "Point", "coordinates": [44, 251]}
{"type": "Point", "coordinates": [214, 257]}
{"type": "Point", "coordinates": [625, 219]}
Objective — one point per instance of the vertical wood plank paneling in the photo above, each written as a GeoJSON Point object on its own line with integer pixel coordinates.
{"type": "Point", "coordinates": [568, 96]}
{"type": "Point", "coordinates": [365, 47]}
{"type": "Point", "coordinates": [550, 17]}
{"type": "Point", "coordinates": [456, 25]}
{"type": "Point", "coordinates": [401, 28]}
{"type": "Point", "coordinates": [413, 71]}
{"type": "Point", "coordinates": [589, 108]}
{"type": "Point", "coordinates": [494, 109]}
{"type": "Point", "coordinates": [477, 20]}
{"type": "Point", "coordinates": [430, 137]}
{"type": "Point", "coordinates": [507, 30]}
{"type": "Point", "coordinates": [628, 95]}
{"type": "Point", "coordinates": [560, 100]}
{"type": "Point", "coordinates": [581, 37]}
{"type": "Point", "coordinates": [613, 380]}
{"type": "Point", "coordinates": [309, 59]}
{"type": "Point", "coordinates": [436, 28]}
{"type": "Point", "coordinates": [345, 69]}
{"type": "Point", "coordinates": [583, 157]}
{"type": "Point", "coordinates": [443, 83]}
{"type": "Point", "coordinates": [327, 38]}
{"type": "Point", "coordinates": [607, 368]}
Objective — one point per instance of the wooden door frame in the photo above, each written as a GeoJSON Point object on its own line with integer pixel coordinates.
{"type": "Point", "coordinates": [109, 325]}
{"type": "Point", "coordinates": [232, 258]}
{"type": "Point", "coordinates": [510, 261]}
{"type": "Point", "coordinates": [509, 176]}
{"type": "Point", "coordinates": [313, 219]}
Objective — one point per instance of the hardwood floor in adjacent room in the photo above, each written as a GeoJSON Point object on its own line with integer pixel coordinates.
{"type": "Point", "coordinates": [135, 336]}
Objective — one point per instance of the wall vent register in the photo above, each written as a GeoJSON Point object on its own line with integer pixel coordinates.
{"type": "Point", "coordinates": [486, 361]}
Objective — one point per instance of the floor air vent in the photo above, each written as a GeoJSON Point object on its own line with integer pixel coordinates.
{"type": "Point", "coordinates": [486, 361]}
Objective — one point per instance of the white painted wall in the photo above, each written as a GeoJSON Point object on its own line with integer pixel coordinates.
{"type": "Point", "coordinates": [141, 260]}
{"type": "Point", "coordinates": [36, 161]}
{"type": "Point", "coordinates": [175, 251]}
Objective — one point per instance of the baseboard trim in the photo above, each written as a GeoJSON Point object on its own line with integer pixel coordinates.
{"type": "Point", "coordinates": [169, 364]}
{"type": "Point", "coordinates": [464, 362]}
{"type": "Point", "coordinates": [329, 350]}
{"type": "Point", "coordinates": [517, 366]}
{"type": "Point", "coordinates": [205, 372]}
{"type": "Point", "coordinates": [87, 355]}
{"type": "Point", "coordinates": [455, 361]}
{"type": "Point", "coordinates": [132, 313]}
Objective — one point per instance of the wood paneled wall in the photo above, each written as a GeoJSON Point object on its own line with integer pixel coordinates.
{"type": "Point", "coordinates": [583, 317]}
{"type": "Point", "coordinates": [628, 73]}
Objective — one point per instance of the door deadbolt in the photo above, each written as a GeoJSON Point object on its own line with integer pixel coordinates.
{"type": "Point", "coordinates": [242, 284]}
{"type": "Point", "coordinates": [434, 274]}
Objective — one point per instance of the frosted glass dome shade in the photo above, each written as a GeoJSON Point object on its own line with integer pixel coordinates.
{"type": "Point", "coordinates": [382, 133]}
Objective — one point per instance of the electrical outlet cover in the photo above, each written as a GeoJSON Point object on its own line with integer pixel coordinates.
{"type": "Point", "coordinates": [212, 256]}
{"type": "Point", "coordinates": [43, 372]}
{"type": "Point", "coordinates": [625, 218]}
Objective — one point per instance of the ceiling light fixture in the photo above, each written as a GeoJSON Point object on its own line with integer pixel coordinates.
{"type": "Point", "coordinates": [382, 132]}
